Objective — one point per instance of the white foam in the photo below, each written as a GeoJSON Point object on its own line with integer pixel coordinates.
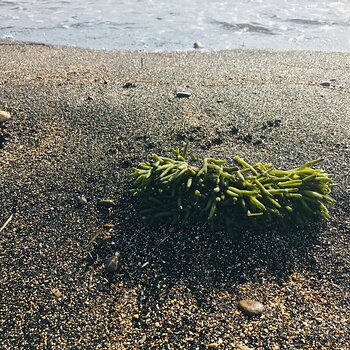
{"type": "Point", "coordinates": [175, 25]}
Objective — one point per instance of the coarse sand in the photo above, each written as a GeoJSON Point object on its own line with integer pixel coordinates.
{"type": "Point", "coordinates": [80, 119]}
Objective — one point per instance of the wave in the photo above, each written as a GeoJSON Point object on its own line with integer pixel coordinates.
{"type": "Point", "coordinates": [245, 27]}
{"type": "Point", "coordinates": [307, 22]}
{"type": "Point", "coordinates": [313, 22]}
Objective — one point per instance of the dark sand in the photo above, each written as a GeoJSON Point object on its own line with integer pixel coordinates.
{"type": "Point", "coordinates": [75, 130]}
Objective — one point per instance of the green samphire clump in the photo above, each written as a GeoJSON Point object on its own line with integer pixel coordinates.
{"type": "Point", "coordinates": [173, 189]}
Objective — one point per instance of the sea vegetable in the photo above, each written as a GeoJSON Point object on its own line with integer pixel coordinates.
{"type": "Point", "coordinates": [179, 190]}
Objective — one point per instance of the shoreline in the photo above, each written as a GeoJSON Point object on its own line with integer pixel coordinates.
{"type": "Point", "coordinates": [203, 50]}
{"type": "Point", "coordinates": [80, 119]}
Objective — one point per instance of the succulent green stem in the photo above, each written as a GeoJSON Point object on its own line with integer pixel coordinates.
{"type": "Point", "coordinates": [168, 188]}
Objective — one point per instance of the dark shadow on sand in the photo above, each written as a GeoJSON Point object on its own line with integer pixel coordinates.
{"type": "Point", "coordinates": [160, 257]}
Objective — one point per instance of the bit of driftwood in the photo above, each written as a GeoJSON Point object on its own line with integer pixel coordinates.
{"type": "Point", "coordinates": [6, 223]}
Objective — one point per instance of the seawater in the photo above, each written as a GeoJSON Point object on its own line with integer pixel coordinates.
{"type": "Point", "coordinates": [168, 25]}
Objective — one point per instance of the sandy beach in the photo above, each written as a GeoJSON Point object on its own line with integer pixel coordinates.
{"type": "Point", "coordinates": [81, 119]}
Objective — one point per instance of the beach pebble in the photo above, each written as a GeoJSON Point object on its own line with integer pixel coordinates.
{"type": "Point", "coordinates": [143, 339]}
{"type": "Point", "coordinates": [106, 203]}
{"type": "Point", "coordinates": [82, 200]}
{"type": "Point", "coordinates": [182, 94]}
{"type": "Point", "coordinates": [56, 292]}
{"type": "Point", "coordinates": [242, 347]}
{"type": "Point", "coordinates": [198, 45]}
{"type": "Point", "coordinates": [4, 116]}
{"type": "Point", "coordinates": [129, 85]}
{"type": "Point", "coordinates": [251, 307]}
{"type": "Point", "coordinates": [108, 226]}
{"type": "Point", "coordinates": [325, 83]}
{"type": "Point", "coordinates": [113, 262]}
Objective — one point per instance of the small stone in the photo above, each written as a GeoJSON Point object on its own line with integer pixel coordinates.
{"type": "Point", "coordinates": [82, 200]}
{"type": "Point", "coordinates": [251, 307]}
{"type": "Point", "coordinates": [106, 203]}
{"type": "Point", "coordinates": [135, 317]}
{"type": "Point", "coordinates": [183, 94]}
{"type": "Point", "coordinates": [234, 130]}
{"type": "Point", "coordinates": [143, 339]}
{"type": "Point", "coordinates": [198, 45]}
{"type": "Point", "coordinates": [257, 142]}
{"type": "Point", "coordinates": [56, 292]}
{"type": "Point", "coordinates": [325, 83]}
{"type": "Point", "coordinates": [242, 347]}
{"type": "Point", "coordinates": [129, 85]}
{"type": "Point", "coordinates": [113, 262]}
{"type": "Point", "coordinates": [4, 116]}
{"type": "Point", "coordinates": [108, 226]}
{"type": "Point", "coordinates": [295, 276]}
